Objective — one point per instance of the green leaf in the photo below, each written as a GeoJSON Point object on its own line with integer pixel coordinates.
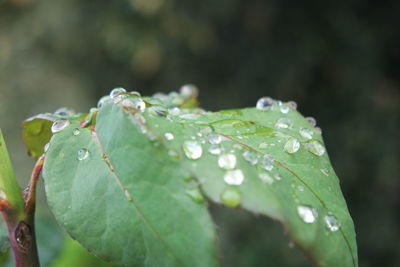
{"type": "Point", "coordinates": [124, 188]}
{"type": "Point", "coordinates": [74, 254]}
{"type": "Point", "coordinates": [36, 131]}
{"type": "Point", "coordinates": [123, 198]}
{"type": "Point", "coordinates": [9, 189]}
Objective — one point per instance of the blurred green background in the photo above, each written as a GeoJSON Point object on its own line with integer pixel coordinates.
{"type": "Point", "coordinates": [339, 60]}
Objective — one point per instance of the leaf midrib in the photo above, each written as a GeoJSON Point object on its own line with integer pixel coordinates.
{"type": "Point", "coordinates": [131, 199]}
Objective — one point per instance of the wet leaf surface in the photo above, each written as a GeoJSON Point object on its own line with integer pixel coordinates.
{"type": "Point", "coordinates": [130, 187]}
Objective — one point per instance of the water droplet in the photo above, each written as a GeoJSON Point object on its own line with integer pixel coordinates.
{"type": "Point", "coordinates": [311, 121]}
{"type": "Point", "coordinates": [139, 104]}
{"type": "Point", "coordinates": [277, 176]}
{"type": "Point", "coordinates": [300, 188]}
{"type": "Point", "coordinates": [292, 104]}
{"type": "Point", "coordinates": [306, 133]}
{"type": "Point", "coordinates": [316, 148]}
{"type": "Point", "coordinates": [264, 103]}
{"type": "Point", "coordinates": [135, 93]}
{"type": "Point", "coordinates": [64, 112]}
{"type": "Point", "coordinates": [76, 131]}
{"type": "Point", "coordinates": [195, 195]}
{"type": "Point", "coordinates": [103, 101]}
{"type": "Point", "coordinates": [214, 149]}
{"type": "Point", "coordinates": [283, 107]}
{"type": "Point", "coordinates": [234, 177]}
{"type": "Point", "coordinates": [231, 197]}
{"type": "Point", "coordinates": [169, 136]}
{"type": "Point", "coordinates": [250, 157]}
{"type": "Point", "coordinates": [266, 162]}
{"type": "Point", "coordinates": [283, 123]}
{"type": "Point", "coordinates": [214, 138]}
{"type": "Point", "coordinates": [307, 214]}
{"type": "Point", "coordinates": [206, 130]}
{"type": "Point", "coordinates": [46, 147]}
{"type": "Point", "coordinates": [332, 222]}
{"type": "Point", "coordinates": [192, 149]}
{"type": "Point", "coordinates": [116, 92]}
{"type": "Point", "coordinates": [266, 178]}
{"type": "Point", "coordinates": [189, 90]}
{"type": "Point", "coordinates": [83, 154]}
{"type": "Point", "coordinates": [227, 161]}
{"type": "Point", "coordinates": [292, 145]}
{"type": "Point", "coordinates": [60, 125]}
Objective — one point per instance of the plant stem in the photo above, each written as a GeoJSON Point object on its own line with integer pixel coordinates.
{"type": "Point", "coordinates": [20, 222]}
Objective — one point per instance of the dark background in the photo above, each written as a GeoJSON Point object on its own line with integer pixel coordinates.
{"type": "Point", "coordinates": [339, 60]}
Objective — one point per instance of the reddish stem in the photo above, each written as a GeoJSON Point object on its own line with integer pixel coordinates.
{"type": "Point", "coordinates": [21, 228]}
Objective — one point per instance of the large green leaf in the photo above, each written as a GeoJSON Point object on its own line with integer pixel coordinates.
{"type": "Point", "coordinates": [124, 198]}
{"type": "Point", "coordinates": [127, 188]}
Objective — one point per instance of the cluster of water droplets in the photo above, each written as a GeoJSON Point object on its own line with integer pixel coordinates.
{"type": "Point", "coordinates": [293, 144]}
{"type": "Point", "coordinates": [309, 215]}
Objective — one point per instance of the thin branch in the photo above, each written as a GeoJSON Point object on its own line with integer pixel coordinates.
{"type": "Point", "coordinates": [30, 199]}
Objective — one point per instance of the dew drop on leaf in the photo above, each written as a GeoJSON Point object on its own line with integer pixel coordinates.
{"type": "Point", "coordinates": [83, 154]}
{"type": "Point", "coordinates": [135, 93]}
{"type": "Point", "coordinates": [231, 197]}
{"type": "Point", "coordinates": [214, 138]}
{"type": "Point", "coordinates": [60, 125]}
{"type": "Point", "coordinates": [264, 103]}
{"type": "Point", "coordinates": [332, 223]}
{"type": "Point", "coordinates": [169, 136]}
{"type": "Point", "coordinates": [283, 107]}
{"type": "Point", "coordinates": [316, 148]}
{"type": "Point", "coordinates": [234, 177]}
{"type": "Point", "coordinates": [139, 104]}
{"type": "Point", "coordinates": [76, 131]}
{"type": "Point", "coordinates": [306, 133]}
{"type": "Point", "coordinates": [307, 214]}
{"type": "Point", "coordinates": [189, 91]}
{"type": "Point", "coordinates": [266, 162]}
{"type": "Point", "coordinates": [64, 112]}
{"type": "Point", "coordinates": [292, 104]}
{"type": "Point", "coordinates": [103, 100]}
{"type": "Point", "coordinates": [192, 149]}
{"type": "Point", "coordinates": [116, 92]}
{"type": "Point", "coordinates": [266, 178]}
{"type": "Point", "coordinates": [214, 149]}
{"type": "Point", "coordinates": [311, 121]}
{"type": "Point", "coordinates": [250, 157]}
{"type": "Point", "coordinates": [292, 145]}
{"type": "Point", "coordinates": [283, 123]}
{"type": "Point", "coordinates": [277, 176]}
{"type": "Point", "coordinates": [227, 161]}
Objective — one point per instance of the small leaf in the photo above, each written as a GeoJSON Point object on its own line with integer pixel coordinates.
{"type": "Point", "coordinates": [36, 131]}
